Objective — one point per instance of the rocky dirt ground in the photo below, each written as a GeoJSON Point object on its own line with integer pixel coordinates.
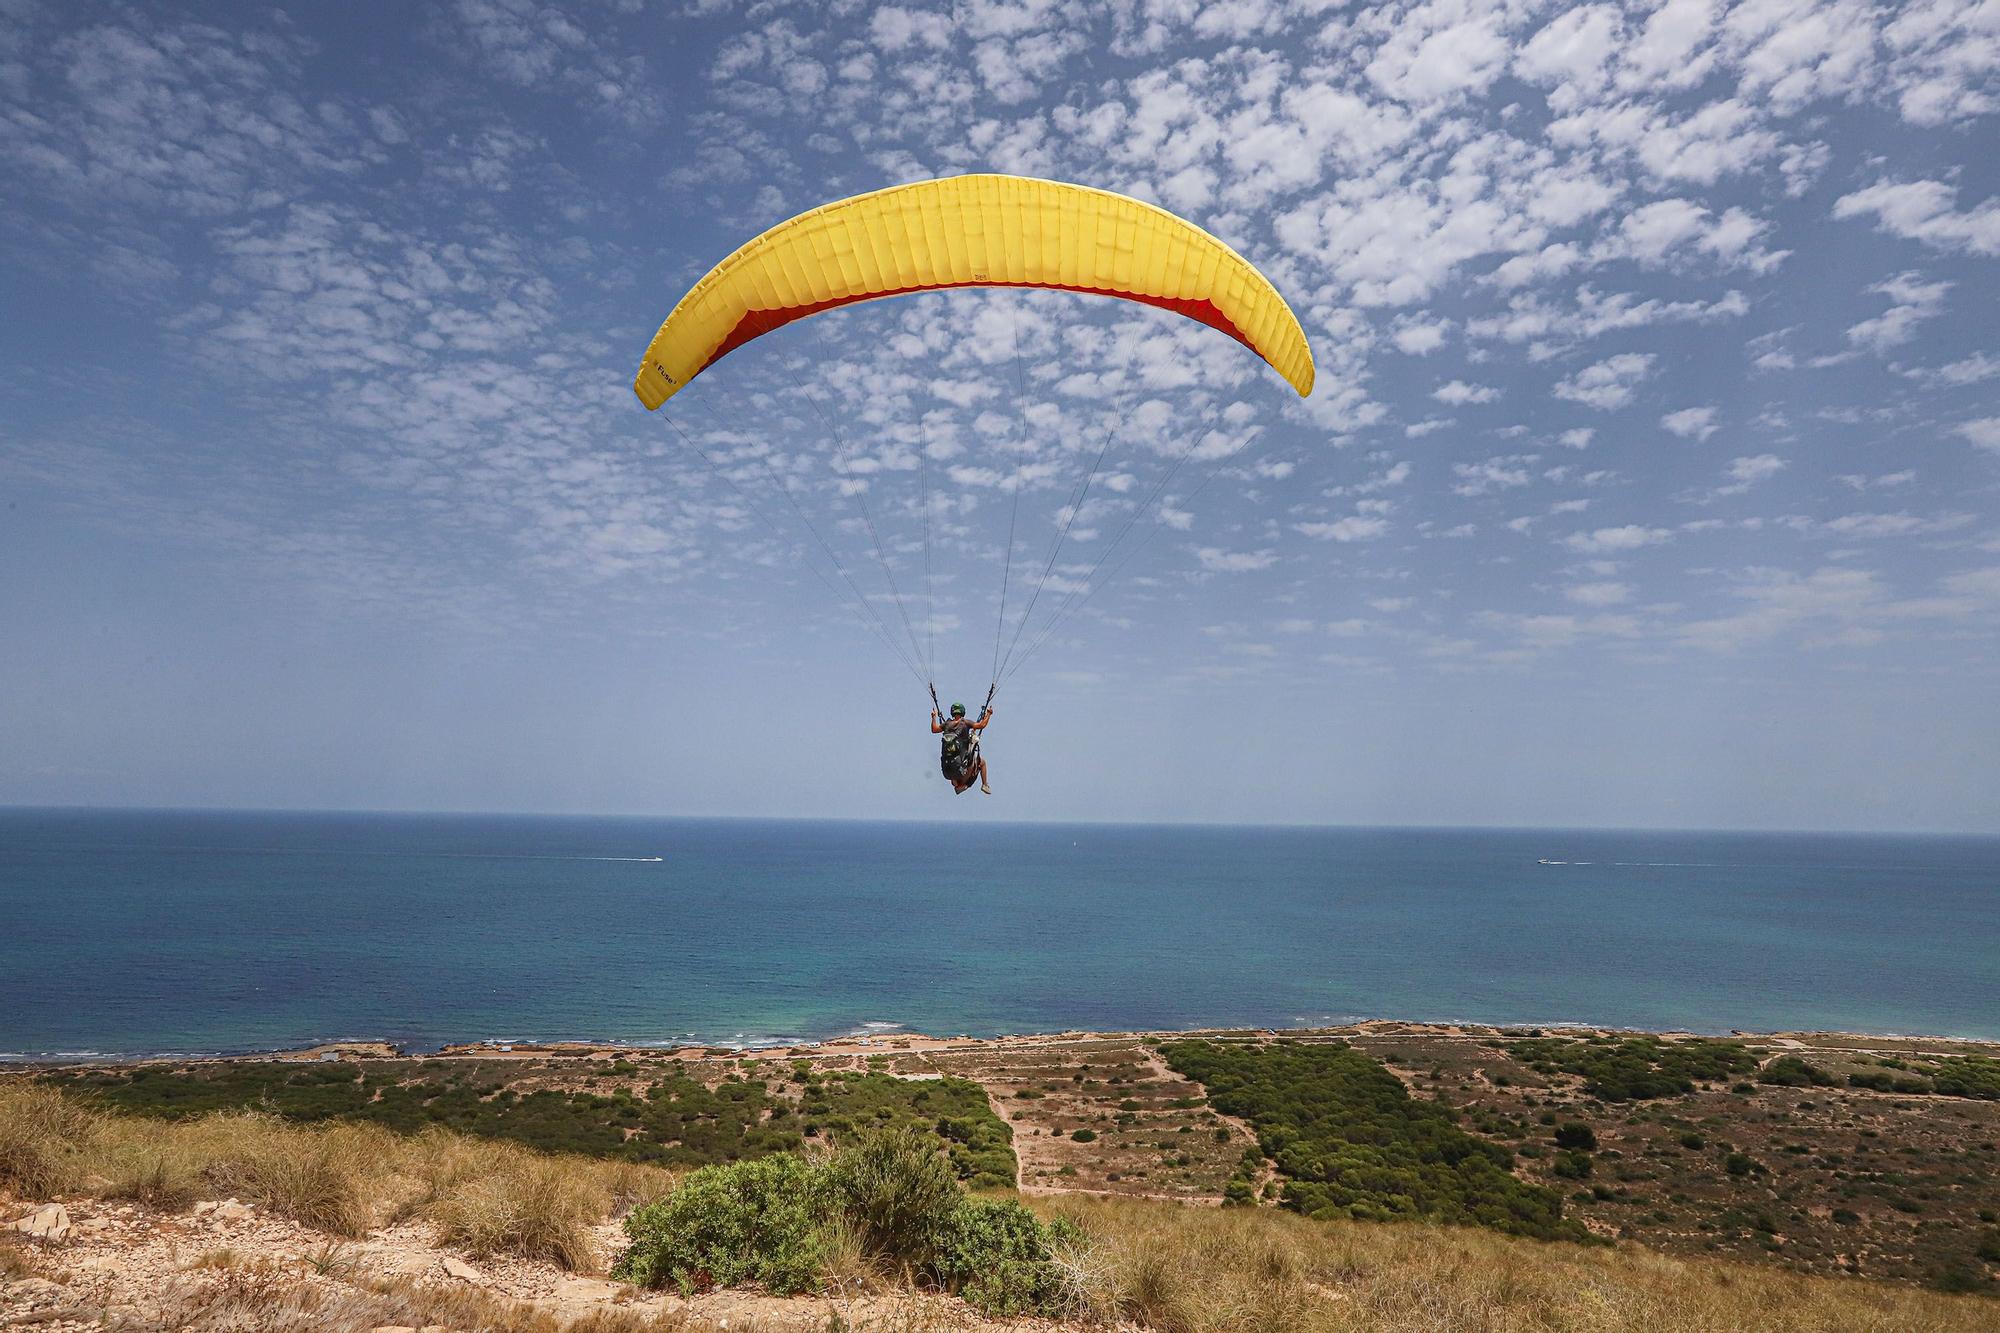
{"type": "Point", "coordinates": [98, 1265]}
{"type": "Point", "coordinates": [1147, 1132]}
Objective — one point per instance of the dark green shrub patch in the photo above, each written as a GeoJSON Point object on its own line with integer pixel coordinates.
{"type": "Point", "coordinates": [1623, 1069]}
{"type": "Point", "coordinates": [1576, 1135]}
{"type": "Point", "coordinates": [1741, 1164]}
{"type": "Point", "coordinates": [1571, 1165]}
{"type": "Point", "coordinates": [1350, 1141]}
{"type": "Point", "coordinates": [1788, 1071]}
{"type": "Point", "coordinates": [1968, 1076]}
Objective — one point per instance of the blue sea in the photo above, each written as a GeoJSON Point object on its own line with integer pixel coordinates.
{"type": "Point", "coordinates": [126, 933]}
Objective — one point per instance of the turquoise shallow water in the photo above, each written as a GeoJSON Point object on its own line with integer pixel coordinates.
{"type": "Point", "coordinates": [132, 932]}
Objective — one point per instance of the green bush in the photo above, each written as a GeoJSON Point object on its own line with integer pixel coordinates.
{"type": "Point", "coordinates": [1576, 1135]}
{"type": "Point", "coordinates": [1003, 1259]}
{"type": "Point", "coordinates": [1085, 1136]}
{"type": "Point", "coordinates": [1788, 1071]}
{"type": "Point", "coordinates": [1571, 1165]}
{"type": "Point", "coordinates": [757, 1221]}
{"type": "Point", "coordinates": [899, 1193]}
{"type": "Point", "coordinates": [772, 1221]}
{"type": "Point", "coordinates": [1878, 1080]}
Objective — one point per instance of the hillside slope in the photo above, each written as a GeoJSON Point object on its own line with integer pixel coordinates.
{"type": "Point", "coordinates": [347, 1227]}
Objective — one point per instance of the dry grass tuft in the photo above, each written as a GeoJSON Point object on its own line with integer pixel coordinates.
{"type": "Point", "coordinates": [632, 1185]}
{"type": "Point", "coordinates": [160, 1174]}
{"type": "Point", "coordinates": [46, 1141]}
{"type": "Point", "coordinates": [1185, 1270]}
{"type": "Point", "coordinates": [522, 1203]}
{"type": "Point", "coordinates": [331, 1177]}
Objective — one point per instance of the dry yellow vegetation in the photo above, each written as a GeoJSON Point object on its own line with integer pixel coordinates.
{"type": "Point", "coordinates": [1188, 1270]}
{"type": "Point", "coordinates": [1148, 1265]}
{"type": "Point", "coordinates": [480, 1194]}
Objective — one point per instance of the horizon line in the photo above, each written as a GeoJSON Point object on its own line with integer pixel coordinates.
{"type": "Point", "coordinates": [1273, 825]}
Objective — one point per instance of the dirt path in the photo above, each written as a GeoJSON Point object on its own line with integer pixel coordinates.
{"type": "Point", "coordinates": [1267, 1171]}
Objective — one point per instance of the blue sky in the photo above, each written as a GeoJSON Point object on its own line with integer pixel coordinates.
{"type": "Point", "coordinates": [1652, 476]}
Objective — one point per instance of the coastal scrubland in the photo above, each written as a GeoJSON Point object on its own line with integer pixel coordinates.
{"type": "Point", "coordinates": [361, 1217]}
{"type": "Point", "coordinates": [1512, 1178]}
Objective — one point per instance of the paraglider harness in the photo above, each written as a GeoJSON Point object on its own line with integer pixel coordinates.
{"type": "Point", "coordinates": [959, 755]}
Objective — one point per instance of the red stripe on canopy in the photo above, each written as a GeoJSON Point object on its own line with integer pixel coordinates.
{"type": "Point", "coordinates": [756, 323]}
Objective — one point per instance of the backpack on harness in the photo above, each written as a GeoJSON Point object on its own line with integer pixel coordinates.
{"type": "Point", "coordinates": [961, 748]}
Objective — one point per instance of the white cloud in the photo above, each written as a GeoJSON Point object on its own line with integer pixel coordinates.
{"type": "Point", "coordinates": [1970, 370]}
{"type": "Point", "coordinates": [1495, 474]}
{"type": "Point", "coordinates": [1598, 594]}
{"type": "Point", "coordinates": [1755, 468]}
{"type": "Point", "coordinates": [1984, 432]}
{"type": "Point", "coordinates": [1609, 384]}
{"type": "Point", "coordinates": [1893, 525]}
{"type": "Point", "coordinates": [1355, 528]}
{"type": "Point", "coordinates": [1914, 301]}
{"type": "Point", "coordinates": [1220, 561]}
{"type": "Point", "coordinates": [1458, 393]}
{"type": "Point", "coordinates": [1743, 473]}
{"type": "Point", "coordinates": [1420, 337]}
{"type": "Point", "coordinates": [1841, 607]}
{"type": "Point", "coordinates": [1924, 211]}
{"type": "Point", "coordinates": [1438, 52]}
{"type": "Point", "coordinates": [894, 28]}
{"type": "Point", "coordinates": [1661, 232]}
{"type": "Point", "coordinates": [1630, 537]}
{"type": "Point", "coordinates": [1691, 423]}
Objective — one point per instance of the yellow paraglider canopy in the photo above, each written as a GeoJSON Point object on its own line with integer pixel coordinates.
{"type": "Point", "coordinates": [972, 231]}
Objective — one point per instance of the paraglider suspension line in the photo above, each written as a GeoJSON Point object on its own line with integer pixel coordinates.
{"type": "Point", "coordinates": [859, 607]}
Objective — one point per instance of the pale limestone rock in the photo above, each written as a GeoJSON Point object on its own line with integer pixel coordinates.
{"type": "Point", "coordinates": [233, 1211]}
{"type": "Point", "coordinates": [463, 1271]}
{"type": "Point", "coordinates": [50, 1222]}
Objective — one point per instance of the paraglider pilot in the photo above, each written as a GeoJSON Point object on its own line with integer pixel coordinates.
{"type": "Point", "coordinates": [960, 759]}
